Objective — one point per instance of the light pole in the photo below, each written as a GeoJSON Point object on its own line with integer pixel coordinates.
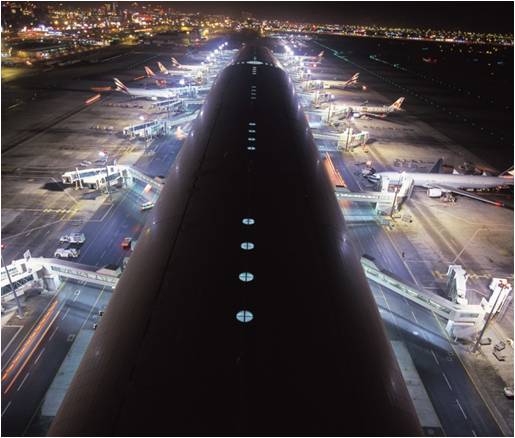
{"type": "Point", "coordinates": [18, 304]}
{"type": "Point", "coordinates": [106, 156]}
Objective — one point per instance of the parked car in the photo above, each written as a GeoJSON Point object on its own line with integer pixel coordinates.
{"type": "Point", "coordinates": [147, 206]}
{"type": "Point", "coordinates": [73, 238]}
{"type": "Point", "coordinates": [66, 253]}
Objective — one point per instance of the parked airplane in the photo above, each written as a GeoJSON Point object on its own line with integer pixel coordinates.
{"type": "Point", "coordinates": [317, 58]}
{"type": "Point", "coordinates": [377, 111]}
{"type": "Point", "coordinates": [142, 92]}
{"type": "Point", "coordinates": [194, 68]}
{"type": "Point", "coordinates": [342, 85]}
{"type": "Point", "coordinates": [450, 182]}
{"type": "Point", "coordinates": [342, 112]}
{"type": "Point", "coordinates": [163, 78]}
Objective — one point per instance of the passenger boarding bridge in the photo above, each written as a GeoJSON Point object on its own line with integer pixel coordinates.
{"type": "Point", "coordinates": [345, 140]}
{"type": "Point", "coordinates": [463, 320]}
{"type": "Point", "coordinates": [48, 273]}
{"type": "Point", "coordinates": [118, 174]}
{"type": "Point", "coordinates": [160, 126]}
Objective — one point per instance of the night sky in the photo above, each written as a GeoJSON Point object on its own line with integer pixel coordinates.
{"type": "Point", "coordinates": [472, 16]}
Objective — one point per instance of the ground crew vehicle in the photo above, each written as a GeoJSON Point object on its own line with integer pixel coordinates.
{"type": "Point", "coordinates": [73, 238]}
{"type": "Point", "coordinates": [66, 253]}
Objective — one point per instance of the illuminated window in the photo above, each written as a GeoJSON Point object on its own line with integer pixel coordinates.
{"type": "Point", "coordinates": [246, 277]}
{"type": "Point", "coordinates": [247, 246]}
{"type": "Point", "coordinates": [252, 131]}
{"type": "Point", "coordinates": [251, 148]}
{"type": "Point", "coordinates": [251, 139]}
{"type": "Point", "coordinates": [248, 221]}
{"type": "Point", "coordinates": [252, 123]}
{"type": "Point", "coordinates": [244, 316]}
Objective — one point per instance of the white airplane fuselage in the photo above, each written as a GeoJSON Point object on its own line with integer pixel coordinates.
{"type": "Point", "coordinates": [151, 94]}
{"type": "Point", "coordinates": [428, 180]}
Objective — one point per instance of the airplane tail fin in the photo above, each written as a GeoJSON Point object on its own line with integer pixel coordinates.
{"type": "Point", "coordinates": [162, 68]}
{"type": "Point", "coordinates": [321, 55]}
{"type": "Point", "coordinates": [120, 86]}
{"type": "Point", "coordinates": [437, 167]}
{"type": "Point", "coordinates": [149, 72]}
{"type": "Point", "coordinates": [175, 62]}
{"type": "Point", "coordinates": [397, 104]}
{"type": "Point", "coordinates": [354, 79]}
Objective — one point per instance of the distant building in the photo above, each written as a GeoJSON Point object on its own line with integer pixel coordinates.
{"type": "Point", "coordinates": [37, 50]}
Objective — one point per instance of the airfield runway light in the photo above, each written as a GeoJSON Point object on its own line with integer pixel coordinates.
{"type": "Point", "coordinates": [142, 118]}
{"type": "Point", "coordinates": [182, 82]}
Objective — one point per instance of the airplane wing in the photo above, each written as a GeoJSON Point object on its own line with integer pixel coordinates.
{"type": "Point", "coordinates": [471, 195]}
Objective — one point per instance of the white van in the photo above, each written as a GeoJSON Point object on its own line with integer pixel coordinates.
{"type": "Point", "coordinates": [147, 206]}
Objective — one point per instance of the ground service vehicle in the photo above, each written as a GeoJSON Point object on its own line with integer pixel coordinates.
{"type": "Point", "coordinates": [66, 253]}
{"type": "Point", "coordinates": [147, 206]}
{"type": "Point", "coordinates": [73, 238]}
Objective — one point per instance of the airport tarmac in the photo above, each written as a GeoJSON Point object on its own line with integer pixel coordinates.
{"type": "Point", "coordinates": [36, 211]}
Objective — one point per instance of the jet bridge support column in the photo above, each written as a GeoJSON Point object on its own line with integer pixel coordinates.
{"type": "Point", "coordinates": [51, 279]}
{"type": "Point", "coordinates": [384, 204]}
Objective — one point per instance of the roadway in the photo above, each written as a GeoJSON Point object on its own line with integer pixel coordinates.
{"type": "Point", "coordinates": [39, 357]}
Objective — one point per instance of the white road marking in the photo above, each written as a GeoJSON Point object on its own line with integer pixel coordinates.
{"type": "Point", "coordinates": [467, 244]}
{"type": "Point", "coordinates": [53, 333]}
{"type": "Point", "coordinates": [39, 355]}
{"type": "Point", "coordinates": [13, 338]}
{"type": "Point", "coordinates": [23, 381]}
{"type": "Point", "coordinates": [6, 407]}
{"type": "Point", "coordinates": [32, 229]}
{"type": "Point", "coordinates": [434, 355]}
{"type": "Point", "coordinates": [414, 317]}
{"type": "Point", "coordinates": [447, 381]}
{"type": "Point", "coordinates": [66, 192]}
{"type": "Point", "coordinates": [65, 313]}
{"type": "Point", "coordinates": [461, 409]}
{"type": "Point", "coordinates": [473, 432]}
{"type": "Point", "coordinates": [77, 293]}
